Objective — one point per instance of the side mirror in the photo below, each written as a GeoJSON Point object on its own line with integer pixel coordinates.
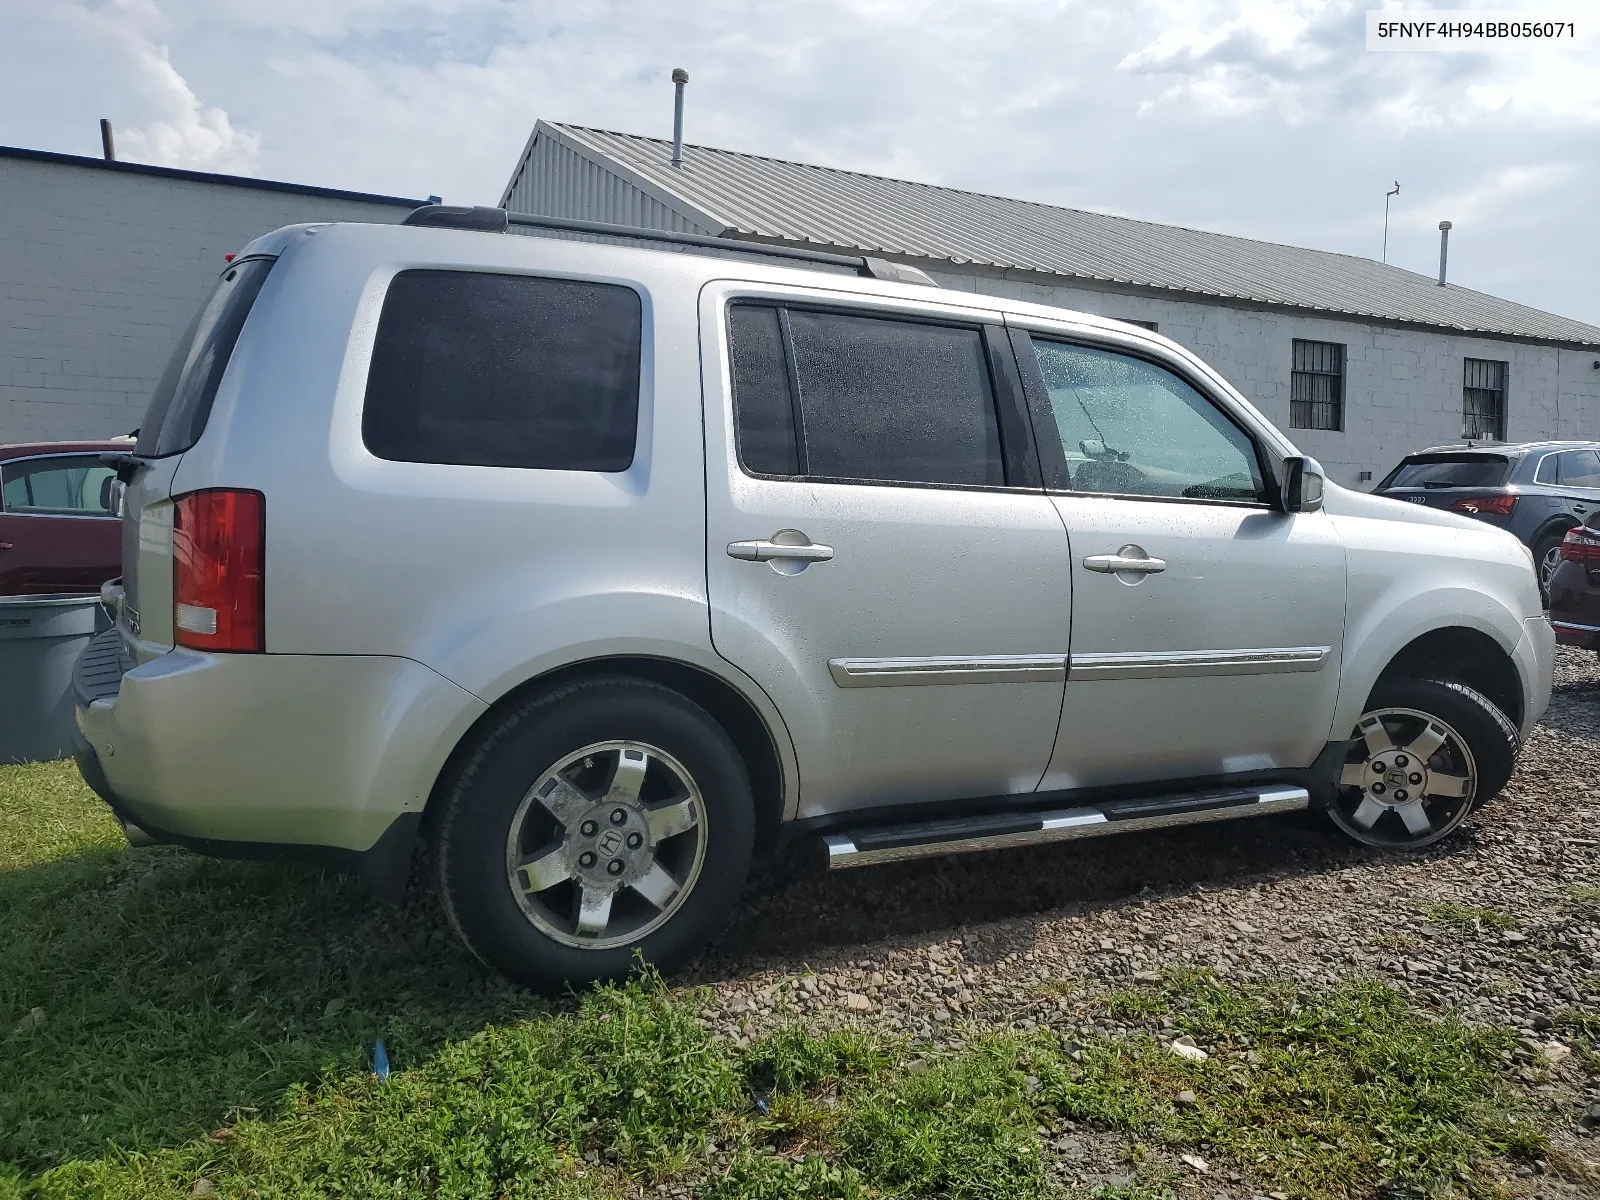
{"type": "Point", "coordinates": [1302, 485]}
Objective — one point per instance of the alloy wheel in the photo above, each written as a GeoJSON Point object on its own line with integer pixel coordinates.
{"type": "Point", "coordinates": [1408, 780]}
{"type": "Point", "coordinates": [1547, 568]}
{"type": "Point", "coordinates": [607, 844]}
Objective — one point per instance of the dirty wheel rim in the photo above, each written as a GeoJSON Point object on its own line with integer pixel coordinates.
{"type": "Point", "coordinates": [1408, 779]}
{"type": "Point", "coordinates": [606, 845]}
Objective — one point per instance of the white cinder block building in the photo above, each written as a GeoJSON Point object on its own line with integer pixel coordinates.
{"type": "Point", "coordinates": [1359, 361]}
{"type": "Point", "coordinates": [104, 264]}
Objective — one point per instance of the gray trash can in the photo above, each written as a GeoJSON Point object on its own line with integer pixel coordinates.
{"type": "Point", "coordinates": [40, 637]}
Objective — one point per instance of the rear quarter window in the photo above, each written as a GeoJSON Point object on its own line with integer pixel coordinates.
{"type": "Point", "coordinates": [480, 369]}
{"type": "Point", "coordinates": [1441, 470]}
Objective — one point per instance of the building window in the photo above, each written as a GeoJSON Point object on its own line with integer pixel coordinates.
{"type": "Point", "coordinates": [1150, 325]}
{"type": "Point", "coordinates": [1483, 400]}
{"type": "Point", "coordinates": [1316, 386]}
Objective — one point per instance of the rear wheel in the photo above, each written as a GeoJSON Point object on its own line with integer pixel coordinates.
{"type": "Point", "coordinates": [606, 819]}
{"type": "Point", "coordinates": [1424, 755]}
{"type": "Point", "coordinates": [1546, 558]}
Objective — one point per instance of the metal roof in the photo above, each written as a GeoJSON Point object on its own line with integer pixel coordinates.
{"type": "Point", "coordinates": [745, 194]}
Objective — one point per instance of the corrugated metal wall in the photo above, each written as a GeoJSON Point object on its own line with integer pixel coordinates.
{"type": "Point", "coordinates": [553, 181]}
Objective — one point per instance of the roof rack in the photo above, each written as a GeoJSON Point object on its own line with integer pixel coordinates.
{"type": "Point", "coordinates": [483, 219]}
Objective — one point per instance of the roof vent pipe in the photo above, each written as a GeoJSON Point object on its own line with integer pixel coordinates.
{"type": "Point", "coordinates": [679, 78]}
{"type": "Point", "coordinates": [108, 146]}
{"type": "Point", "coordinates": [1444, 248]}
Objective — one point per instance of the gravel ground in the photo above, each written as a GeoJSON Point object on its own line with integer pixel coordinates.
{"type": "Point", "coordinates": [938, 948]}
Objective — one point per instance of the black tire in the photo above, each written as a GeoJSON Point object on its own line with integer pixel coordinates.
{"type": "Point", "coordinates": [1488, 736]}
{"type": "Point", "coordinates": [1541, 550]}
{"type": "Point", "coordinates": [488, 792]}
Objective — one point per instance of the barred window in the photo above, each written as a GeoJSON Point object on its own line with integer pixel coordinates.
{"type": "Point", "coordinates": [1483, 400]}
{"type": "Point", "coordinates": [1316, 386]}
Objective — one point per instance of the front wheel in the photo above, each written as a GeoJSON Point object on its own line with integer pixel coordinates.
{"type": "Point", "coordinates": [1424, 755]}
{"type": "Point", "coordinates": [606, 821]}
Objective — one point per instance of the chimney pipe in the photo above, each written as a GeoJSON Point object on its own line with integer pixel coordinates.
{"type": "Point", "coordinates": [108, 147]}
{"type": "Point", "coordinates": [1444, 248]}
{"type": "Point", "coordinates": [679, 78]}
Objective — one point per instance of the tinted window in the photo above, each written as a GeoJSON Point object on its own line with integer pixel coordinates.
{"type": "Point", "coordinates": [57, 486]}
{"type": "Point", "coordinates": [1449, 470]}
{"type": "Point", "coordinates": [182, 401]}
{"type": "Point", "coordinates": [883, 399]}
{"type": "Point", "coordinates": [1574, 468]}
{"type": "Point", "coordinates": [1130, 427]}
{"type": "Point", "coordinates": [505, 371]}
{"type": "Point", "coordinates": [763, 404]}
{"type": "Point", "coordinates": [879, 399]}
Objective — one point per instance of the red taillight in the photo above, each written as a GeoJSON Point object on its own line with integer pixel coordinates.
{"type": "Point", "coordinates": [1500, 506]}
{"type": "Point", "coordinates": [218, 568]}
{"type": "Point", "coordinates": [1581, 545]}
{"type": "Point", "coordinates": [228, 258]}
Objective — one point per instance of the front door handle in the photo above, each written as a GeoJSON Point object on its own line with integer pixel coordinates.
{"type": "Point", "coordinates": [791, 551]}
{"type": "Point", "coordinates": [6, 546]}
{"type": "Point", "coordinates": [1130, 559]}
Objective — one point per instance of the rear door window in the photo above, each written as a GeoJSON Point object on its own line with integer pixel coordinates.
{"type": "Point", "coordinates": [58, 486]}
{"type": "Point", "coordinates": [1449, 470]}
{"type": "Point", "coordinates": [182, 401]}
{"type": "Point", "coordinates": [849, 397]}
{"type": "Point", "coordinates": [489, 370]}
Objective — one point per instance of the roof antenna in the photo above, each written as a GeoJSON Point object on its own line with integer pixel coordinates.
{"type": "Point", "coordinates": [1386, 197]}
{"type": "Point", "coordinates": [1444, 248]}
{"type": "Point", "coordinates": [108, 146]}
{"type": "Point", "coordinates": [679, 77]}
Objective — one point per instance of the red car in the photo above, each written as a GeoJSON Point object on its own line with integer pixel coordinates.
{"type": "Point", "coordinates": [59, 534]}
{"type": "Point", "coordinates": [1575, 587]}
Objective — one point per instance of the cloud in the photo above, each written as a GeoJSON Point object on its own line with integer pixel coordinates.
{"type": "Point", "coordinates": [181, 131]}
{"type": "Point", "coordinates": [1266, 118]}
{"type": "Point", "coordinates": [192, 134]}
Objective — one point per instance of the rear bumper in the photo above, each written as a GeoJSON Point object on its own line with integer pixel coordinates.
{"type": "Point", "coordinates": [278, 756]}
{"type": "Point", "coordinates": [1575, 605]}
{"type": "Point", "coordinates": [1570, 633]}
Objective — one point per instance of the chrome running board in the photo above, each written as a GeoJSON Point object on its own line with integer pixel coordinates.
{"type": "Point", "coordinates": [994, 831]}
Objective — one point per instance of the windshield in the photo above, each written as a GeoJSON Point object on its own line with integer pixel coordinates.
{"type": "Point", "coordinates": [182, 400]}
{"type": "Point", "coordinates": [1450, 470]}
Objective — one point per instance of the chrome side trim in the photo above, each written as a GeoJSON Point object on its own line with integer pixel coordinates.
{"type": "Point", "coordinates": [1178, 664]}
{"type": "Point", "coordinates": [1575, 627]}
{"type": "Point", "coordinates": [1063, 825]}
{"type": "Point", "coordinates": [990, 668]}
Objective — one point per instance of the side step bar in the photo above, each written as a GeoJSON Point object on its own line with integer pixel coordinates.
{"type": "Point", "coordinates": [993, 831]}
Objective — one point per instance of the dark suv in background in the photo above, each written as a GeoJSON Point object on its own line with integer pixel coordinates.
{"type": "Point", "coordinates": [1537, 490]}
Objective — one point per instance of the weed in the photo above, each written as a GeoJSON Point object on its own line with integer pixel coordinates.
{"type": "Point", "coordinates": [1447, 912]}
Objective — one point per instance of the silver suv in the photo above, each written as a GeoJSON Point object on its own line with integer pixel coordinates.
{"type": "Point", "coordinates": [602, 559]}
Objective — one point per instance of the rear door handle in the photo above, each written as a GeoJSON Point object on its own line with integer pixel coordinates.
{"type": "Point", "coordinates": [762, 551]}
{"type": "Point", "coordinates": [6, 546]}
{"type": "Point", "coordinates": [1130, 559]}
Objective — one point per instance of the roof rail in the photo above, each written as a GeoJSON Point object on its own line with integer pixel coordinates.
{"type": "Point", "coordinates": [496, 220]}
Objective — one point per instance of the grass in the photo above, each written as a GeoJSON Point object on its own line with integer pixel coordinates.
{"type": "Point", "coordinates": [1466, 916]}
{"type": "Point", "coordinates": [212, 1020]}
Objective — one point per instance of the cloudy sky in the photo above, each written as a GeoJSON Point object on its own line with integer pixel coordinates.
{"type": "Point", "coordinates": [1266, 118]}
